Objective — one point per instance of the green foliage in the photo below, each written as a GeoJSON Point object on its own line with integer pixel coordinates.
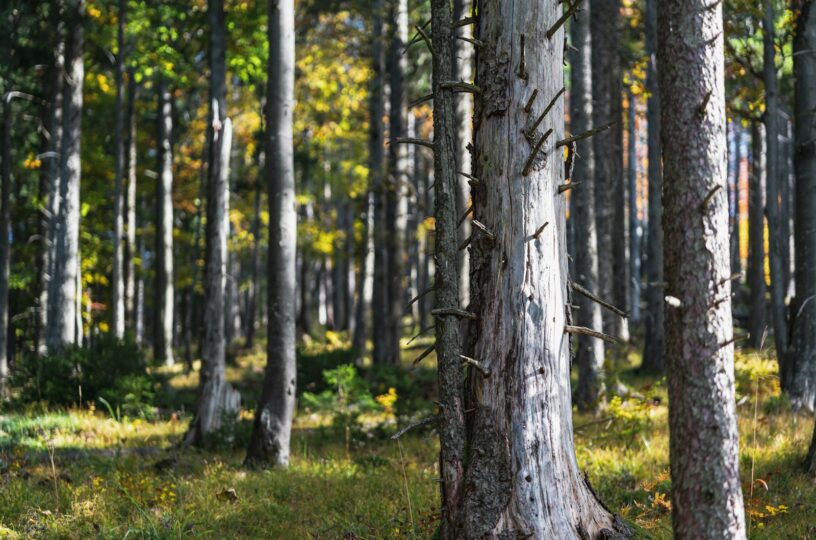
{"type": "Point", "coordinates": [110, 369]}
{"type": "Point", "coordinates": [347, 397]}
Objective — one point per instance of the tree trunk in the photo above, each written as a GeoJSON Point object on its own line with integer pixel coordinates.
{"type": "Point", "coordinates": [785, 188]}
{"type": "Point", "coordinates": [654, 342]}
{"type": "Point", "coordinates": [130, 209]}
{"type": "Point", "coordinates": [117, 281]}
{"type": "Point", "coordinates": [53, 171]}
{"type": "Point", "coordinates": [463, 71]}
{"type": "Point", "coordinates": [635, 229]}
{"type": "Point", "coordinates": [5, 248]}
{"type": "Point", "coordinates": [269, 443]}
{"type": "Point", "coordinates": [778, 310]}
{"type": "Point", "coordinates": [520, 480]}
{"type": "Point", "coordinates": [605, 71]}
{"type": "Point", "coordinates": [736, 259]}
{"type": "Point", "coordinates": [252, 293]}
{"type": "Point", "coordinates": [62, 298]}
{"type": "Point", "coordinates": [590, 353]}
{"type": "Point", "coordinates": [365, 279]}
{"type": "Point", "coordinates": [163, 322]}
{"type": "Point", "coordinates": [704, 442]}
{"type": "Point", "coordinates": [756, 240]}
{"type": "Point", "coordinates": [139, 299]}
{"type": "Point", "coordinates": [340, 288]}
{"type": "Point", "coordinates": [801, 362]}
{"type": "Point", "coordinates": [379, 298]}
{"type": "Point", "coordinates": [398, 165]}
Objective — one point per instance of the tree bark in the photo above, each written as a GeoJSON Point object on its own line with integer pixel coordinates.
{"type": "Point", "coordinates": [130, 206]}
{"type": "Point", "coordinates": [117, 281]}
{"type": "Point", "coordinates": [736, 259]}
{"type": "Point", "coordinates": [655, 341]}
{"type": "Point", "coordinates": [163, 308]}
{"type": "Point", "coordinates": [590, 353]}
{"type": "Point", "coordinates": [704, 442]}
{"type": "Point", "coordinates": [269, 443]}
{"type": "Point", "coordinates": [778, 310]}
{"type": "Point", "coordinates": [5, 248]}
{"type": "Point", "coordinates": [756, 238]}
{"type": "Point", "coordinates": [801, 362]}
{"type": "Point", "coordinates": [635, 229]}
{"type": "Point", "coordinates": [62, 298]}
{"type": "Point", "coordinates": [255, 269]}
{"type": "Point", "coordinates": [519, 480]}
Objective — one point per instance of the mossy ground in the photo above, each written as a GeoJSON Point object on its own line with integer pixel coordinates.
{"type": "Point", "coordinates": [81, 474]}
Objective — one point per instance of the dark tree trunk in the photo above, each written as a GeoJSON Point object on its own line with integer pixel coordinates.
{"type": "Point", "coordinates": [736, 260]}
{"type": "Point", "coordinates": [654, 343]}
{"type": "Point", "coordinates": [635, 230]}
{"type": "Point", "coordinates": [590, 353]}
{"type": "Point", "coordinates": [519, 480]}
{"type": "Point", "coordinates": [62, 298]}
{"type": "Point", "coordinates": [118, 281]}
{"type": "Point", "coordinates": [164, 290]}
{"type": "Point", "coordinates": [801, 362]}
{"type": "Point", "coordinates": [772, 180]}
{"type": "Point", "coordinates": [271, 431]}
{"type": "Point", "coordinates": [704, 442]}
{"type": "Point", "coordinates": [756, 242]}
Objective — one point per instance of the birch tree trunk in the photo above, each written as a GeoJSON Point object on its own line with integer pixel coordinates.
{"type": "Point", "coordinates": [704, 443]}
{"type": "Point", "coordinates": [654, 342]}
{"type": "Point", "coordinates": [130, 205]}
{"type": "Point", "coordinates": [590, 353]}
{"type": "Point", "coordinates": [163, 308]}
{"type": "Point", "coordinates": [269, 443]}
{"type": "Point", "coordinates": [778, 310]}
{"type": "Point", "coordinates": [117, 281]}
{"type": "Point", "coordinates": [802, 359]}
{"type": "Point", "coordinates": [519, 480]}
{"type": "Point", "coordinates": [62, 297]}
{"type": "Point", "coordinates": [756, 241]}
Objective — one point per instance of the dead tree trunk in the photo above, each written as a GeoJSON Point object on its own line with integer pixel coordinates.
{"type": "Point", "coordinates": [756, 240]}
{"type": "Point", "coordinates": [704, 443]}
{"type": "Point", "coordinates": [269, 443]}
{"type": "Point", "coordinates": [519, 480]}
{"type": "Point", "coordinates": [654, 342]}
{"type": "Point", "coordinates": [590, 354]}
{"type": "Point", "coordinates": [801, 362]}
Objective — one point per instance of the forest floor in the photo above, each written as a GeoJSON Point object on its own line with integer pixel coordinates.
{"type": "Point", "coordinates": [85, 473]}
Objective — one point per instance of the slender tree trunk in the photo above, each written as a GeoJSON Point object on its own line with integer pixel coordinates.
{"type": "Point", "coordinates": [756, 240]}
{"type": "Point", "coordinates": [5, 248]}
{"type": "Point", "coordinates": [605, 71]}
{"type": "Point", "coordinates": [269, 443]}
{"type": "Point", "coordinates": [619, 188]}
{"type": "Point", "coordinates": [365, 280]}
{"type": "Point", "coordinates": [635, 229]}
{"type": "Point", "coordinates": [252, 294]}
{"type": "Point", "coordinates": [62, 298]}
{"type": "Point", "coordinates": [340, 282]}
{"type": "Point", "coordinates": [397, 179]}
{"type": "Point", "coordinates": [704, 442]}
{"type": "Point", "coordinates": [654, 343]}
{"type": "Point", "coordinates": [785, 230]}
{"type": "Point", "coordinates": [463, 71]}
{"type": "Point", "coordinates": [778, 310]}
{"type": "Point", "coordinates": [139, 300]}
{"type": "Point", "coordinates": [163, 308]}
{"type": "Point", "coordinates": [736, 259]}
{"type": "Point", "coordinates": [118, 282]}
{"type": "Point", "coordinates": [130, 205]}
{"type": "Point", "coordinates": [519, 480]}
{"type": "Point", "coordinates": [379, 299]}
{"type": "Point", "coordinates": [53, 171]}
{"type": "Point", "coordinates": [590, 353]}
{"type": "Point", "coordinates": [801, 362]}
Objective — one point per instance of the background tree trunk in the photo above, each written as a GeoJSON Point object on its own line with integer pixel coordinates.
{"type": "Point", "coordinates": [801, 363]}
{"type": "Point", "coordinates": [635, 228]}
{"type": "Point", "coordinates": [521, 481]}
{"type": "Point", "coordinates": [118, 281]}
{"type": "Point", "coordinates": [590, 352]}
{"type": "Point", "coordinates": [269, 443]}
{"type": "Point", "coordinates": [654, 341]}
{"type": "Point", "coordinates": [130, 205]}
{"type": "Point", "coordinates": [756, 238]}
{"type": "Point", "coordinates": [736, 259]}
{"type": "Point", "coordinates": [255, 269]}
{"type": "Point", "coordinates": [704, 443]}
{"type": "Point", "coordinates": [163, 323]}
{"type": "Point", "coordinates": [5, 248]}
{"type": "Point", "coordinates": [778, 310]}
{"type": "Point", "coordinates": [62, 309]}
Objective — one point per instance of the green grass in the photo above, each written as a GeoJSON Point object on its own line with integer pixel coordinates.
{"type": "Point", "coordinates": [81, 474]}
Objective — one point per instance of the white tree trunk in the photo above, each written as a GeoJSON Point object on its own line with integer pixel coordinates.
{"type": "Point", "coordinates": [163, 339]}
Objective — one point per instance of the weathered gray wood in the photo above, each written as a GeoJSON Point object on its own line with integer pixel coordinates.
{"type": "Point", "coordinates": [704, 442]}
